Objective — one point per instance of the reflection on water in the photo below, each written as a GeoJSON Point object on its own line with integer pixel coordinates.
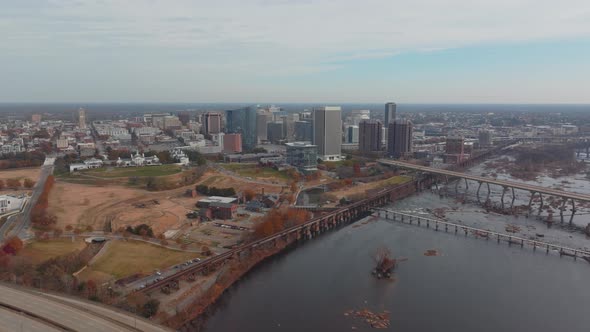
{"type": "Point", "coordinates": [473, 286]}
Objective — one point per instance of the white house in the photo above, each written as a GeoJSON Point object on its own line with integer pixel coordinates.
{"type": "Point", "coordinates": [9, 203]}
{"type": "Point", "coordinates": [179, 156]}
{"type": "Point", "coordinates": [137, 160]}
{"type": "Point", "coordinates": [87, 164]}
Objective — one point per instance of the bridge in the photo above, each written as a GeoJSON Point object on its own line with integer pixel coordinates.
{"type": "Point", "coordinates": [308, 230]}
{"type": "Point", "coordinates": [533, 189]}
{"type": "Point", "coordinates": [439, 225]}
{"type": "Point", "coordinates": [29, 310]}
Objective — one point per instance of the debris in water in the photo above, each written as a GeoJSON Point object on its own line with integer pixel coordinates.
{"type": "Point", "coordinates": [379, 320]}
{"type": "Point", "coordinates": [431, 252]}
{"type": "Point", "coordinates": [385, 263]}
{"type": "Point", "coordinates": [512, 229]}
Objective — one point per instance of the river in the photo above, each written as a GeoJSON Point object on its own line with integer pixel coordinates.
{"type": "Point", "coordinates": [474, 285]}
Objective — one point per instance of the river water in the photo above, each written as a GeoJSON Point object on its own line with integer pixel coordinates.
{"type": "Point", "coordinates": [474, 285]}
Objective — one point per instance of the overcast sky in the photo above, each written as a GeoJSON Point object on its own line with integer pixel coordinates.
{"type": "Point", "coordinates": [425, 51]}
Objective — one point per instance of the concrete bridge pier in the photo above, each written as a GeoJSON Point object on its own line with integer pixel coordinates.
{"type": "Point", "coordinates": [478, 189]}
{"type": "Point", "coordinates": [489, 193]}
{"type": "Point", "coordinates": [513, 199]}
{"type": "Point", "coordinates": [531, 203]}
{"type": "Point", "coordinates": [562, 208]}
{"type": "Point", "coordinates": [504, 189]}
{"type": "Point", "coordinates": [540, 206]}
{"type": "Point", "coordinates": [573, 212]}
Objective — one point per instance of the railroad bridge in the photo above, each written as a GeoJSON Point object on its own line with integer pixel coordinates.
{"type": "Point", "coordinates": [308, 230]}
{"type": "Point", "coordinates": [439, 175]}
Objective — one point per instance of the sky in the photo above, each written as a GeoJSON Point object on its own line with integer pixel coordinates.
{"type": "Point", "coordinates": [419, 51]}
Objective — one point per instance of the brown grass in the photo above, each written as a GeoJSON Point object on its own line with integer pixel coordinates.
{"type": "Point", "coordinates": [40, 251]}
{"type": "Point", "coordinates": [123, 258]}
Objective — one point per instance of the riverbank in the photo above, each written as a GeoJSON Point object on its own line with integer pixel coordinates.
{"type": "Point", "coordinates": [229, 274]}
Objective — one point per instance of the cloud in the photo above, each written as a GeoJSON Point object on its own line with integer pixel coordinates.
{"type": "Point", "coordinates": [272, 37]}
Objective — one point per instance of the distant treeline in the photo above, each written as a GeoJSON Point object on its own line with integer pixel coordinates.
{"type": "Point", "coordinates": [22, 159]}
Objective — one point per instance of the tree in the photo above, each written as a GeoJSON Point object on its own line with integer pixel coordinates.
{"type": "Point", "coordinates": [28, 183]}
{"type": "Point", "coordinates": [91, 287]}
{"type": "Point", "coordinates": [205, 251]}
{"type": "Point", "coordinates": [150, 308]}
{"type": "Point", "coordinates": [13, 183]}
{"type": "Point", "coordinates": [13, 245]}
{"type": "Point", "coordinates": [249, 194]}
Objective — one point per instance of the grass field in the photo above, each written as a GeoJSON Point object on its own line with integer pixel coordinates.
{"type": "Point", "coordinates": [40, 251]}
{"type": "Point", "coordinates": [395, 180]}
{"type": "Point", "coordinates": [110, 172]}
{"type": "Point", "coordinates": [124, 258]}
{"type": "Point", "coordinates": [254, 171]}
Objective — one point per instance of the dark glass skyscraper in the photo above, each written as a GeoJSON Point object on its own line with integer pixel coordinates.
{"type": "Point", "coordinates": [243, 121]}
{"type": "Point", "coordinates": [399, 140]}
{"type": "Point", "coordinates": [389, 115]}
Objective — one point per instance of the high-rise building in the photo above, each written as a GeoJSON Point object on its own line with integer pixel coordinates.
{"type": "Point", "coordinates": [232, 143]}
{"type": "Point", "coordinates": [82, 118]}
{"type": "Point", "coordinates": [370, 136]}
{"type": "Point", "coordinates": [211, 123]}
{"type": "Point", "coordinates": [184, 117]}
{"type": "Point", "coordinates": [400, 141]}
{"type": "Point", "coordinates": [485, 139]}
{"type": "Point", "coordinates": [356, 116]}
{"type": "Point", "coordinates": [171, 122]}
{"type": "Point", "coordinates": [263, 117]}
{"type": "Point", "coordinates": [243, 121]}
{"type": "Point", "coordinates": [275, 132]}
{"type": "Point", "coordinates": [389, 116]}
{"type": "Point", "coordinates": [351, 134]}
{"type": "Point", "coordinates": [327, 132]}
{"type": "Point", "coordinates": [303, 130]}
{"type": "Point", "coordinates": [455, 145]}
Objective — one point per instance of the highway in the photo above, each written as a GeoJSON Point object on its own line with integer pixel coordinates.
{"type": "Point", "coordinates": [55, 312]}
{"type": "Point", "coordinates": [502, 183]}
{"type": "Point", "coordinates": [22, 221]}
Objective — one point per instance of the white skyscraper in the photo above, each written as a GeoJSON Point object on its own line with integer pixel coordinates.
{"type": "Point", "coordinates": [82, 118]}
{"type": "Point", "coordinates": [327, 132]}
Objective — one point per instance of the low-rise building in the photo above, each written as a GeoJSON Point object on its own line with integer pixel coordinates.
{"type": "Point", "coordinates": [9, 203]}
{"type": "Point", "coordinates": [303, 156]}
{"type": "Point", "coordinates": [138, 160]}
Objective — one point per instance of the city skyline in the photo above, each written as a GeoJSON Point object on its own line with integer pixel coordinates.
{"type": "Point", "coordinates": [456, 52]}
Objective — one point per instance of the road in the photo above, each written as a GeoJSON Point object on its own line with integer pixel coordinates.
{"type": "Point", "coordinates": [73, 314]}
{"type": "Point", "coordinates": [21, 222]}
{"type": "Point", "coordinates": [502, 183]}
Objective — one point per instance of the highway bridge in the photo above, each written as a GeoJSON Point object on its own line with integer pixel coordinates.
{"type": "Point", "coordinates": [30, 310]}
{"type": "Point", "coordinates": [533, 189]}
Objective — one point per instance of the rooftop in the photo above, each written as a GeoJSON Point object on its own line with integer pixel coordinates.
{"type": "Point", "coordinates": [218, 199]}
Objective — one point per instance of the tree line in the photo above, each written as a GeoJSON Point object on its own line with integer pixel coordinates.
{"type": "Point", "coordinates": [214, 191]}
{"type": "Point", "coordinates": [40, 217]}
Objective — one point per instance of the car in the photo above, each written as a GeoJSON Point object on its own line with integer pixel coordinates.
{"type": "Point", "coordinates": [196, 260]}
{"type": "Point", "coordinates": [158, 273]}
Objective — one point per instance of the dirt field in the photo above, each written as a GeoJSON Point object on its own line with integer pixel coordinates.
{"type": "Point", "coordinates": [123, 258]}
{"type": "Point", "coordinates": [362, 187]}
{"type": "Point", "coordinates": [85, 205]}
{"type": "Point", "coordinates": [20, 173]}
{"type": "Point", "coordinates": [40, 251]}
{"type": "Point", "coordinates": [219, 180]}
